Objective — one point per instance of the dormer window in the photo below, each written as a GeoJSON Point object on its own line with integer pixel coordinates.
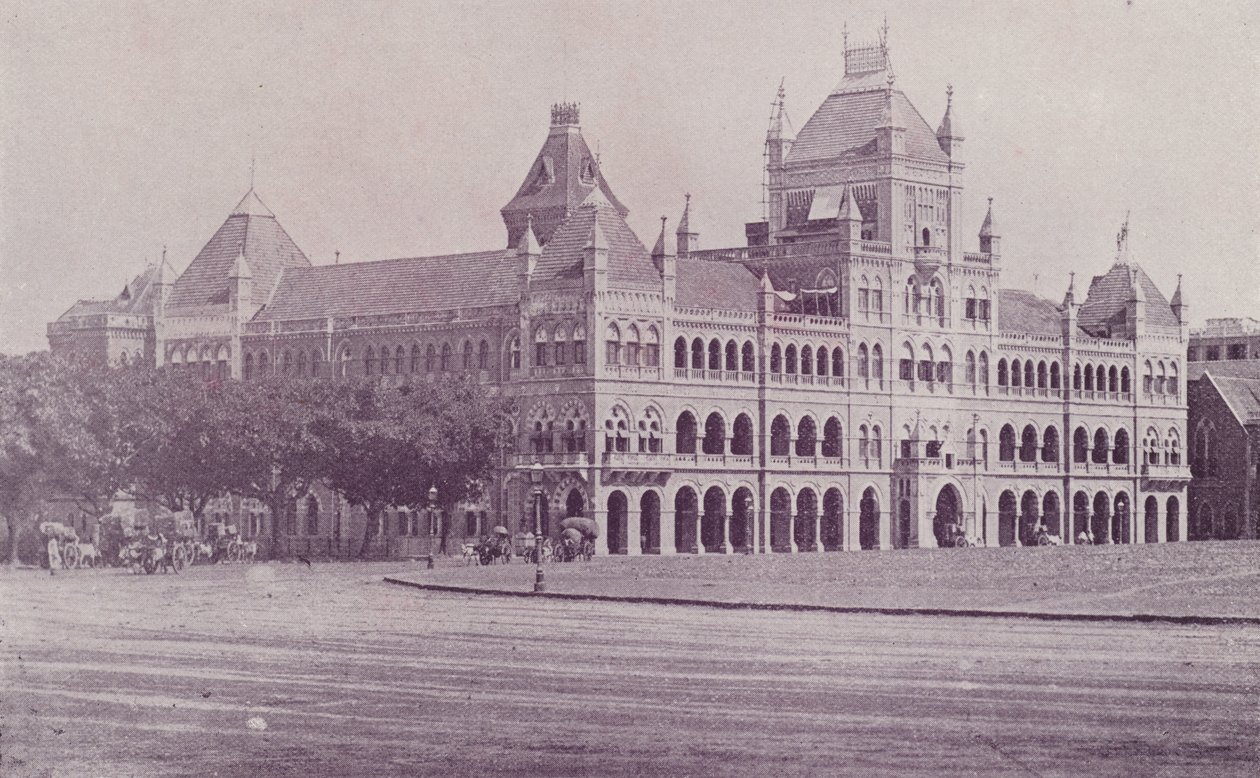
{"type": "Point", "coordinates": [588, 171]}
{"type": "Point", "coordinates": [546, 172]}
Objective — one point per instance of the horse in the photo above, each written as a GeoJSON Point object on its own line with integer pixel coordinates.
{"type": "Point", "coordinates": [249, 550]}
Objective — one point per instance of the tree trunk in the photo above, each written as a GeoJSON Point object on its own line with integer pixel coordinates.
{"type": "Point", "coordinates": [373, 515]}
{"type": "Point", "coordinates": [14, 533]}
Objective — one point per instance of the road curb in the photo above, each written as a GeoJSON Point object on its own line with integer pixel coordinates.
{"type": "Point", "coordinates": [1138, 618]}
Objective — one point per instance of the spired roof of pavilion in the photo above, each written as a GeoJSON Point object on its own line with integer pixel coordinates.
{"type": "Point", "coordinates": [597, 222]}
{"type": "Point", "coordinates": [136, 297]}
{"type": "Point", "coordinates": [1105, 308]}
{"type": "Point", "coordinates": [451, 281]}
{"type": "Point", "coordinates": [1025, 313]}
{"type": "Point", "coordinates": [251, 231]}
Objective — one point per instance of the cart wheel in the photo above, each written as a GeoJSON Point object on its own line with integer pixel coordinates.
{"type": "Point", "coordinates": [150, 564]}
{"type": "Point", "coordinates": [1043, 541]}
{"type": "Point", "coordinates": [70, 556]}
{"type": "Point", "coordinates": [179, 559]}
{"type": "Point", "coordinates": [961, 542]}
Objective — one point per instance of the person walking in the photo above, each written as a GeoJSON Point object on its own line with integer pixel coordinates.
{"type": "Point", "coordinates": [54, 555]}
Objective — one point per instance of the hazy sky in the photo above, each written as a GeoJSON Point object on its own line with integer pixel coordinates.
{"type": "Point", "coordinates": [400, 129]}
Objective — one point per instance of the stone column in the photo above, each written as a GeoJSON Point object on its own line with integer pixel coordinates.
{"type": "Point", "coordinates": [818, 532]}
{"type": "Point", "coordinates": [795, 549]}
{"type": "Point", "coordinates": [699, 547]}
{"type": "Point", "coordinates": [667, 531]}
{"type": "Point", "coordinates": [601, 542]}
{"type": "Point", "coordinates": [726, 534]}
{"type": "Point", "coordinates": [634, 545]}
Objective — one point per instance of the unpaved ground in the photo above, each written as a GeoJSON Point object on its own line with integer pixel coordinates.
{"type": "Point", "coordinates": [110, 674]}
{"type": "Point", "coordinates": [1174, 579]}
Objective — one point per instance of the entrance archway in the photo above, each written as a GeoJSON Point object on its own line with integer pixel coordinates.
{"type": "Point", "coordinates": [1080, 515]}
{"type": "Point", "coordinates": [742, 513]}
{"type": "Point", "coordinates": [780, 520]}
{"type": "Point", "coordinates": [1030, 518]}
{"type": "Point", "coordinates": [948, 514]}
{"type": "Point", "coordinates": [574, 504]}
{"type": "Point", "coordinates": [686, 507]}
{"type": "Point", "coordinates": [868, 520]}
{"type": "Point", "coordinates": [1050, 513]}
{"type": "Point", "coordinates": [618, 509]}
{"type": "Point", "coordinates": [806, 523]}
{"type": "Point", "coordinates": [1121, 520]}
{"type": "Point", "coordinates": [1102, 519]}
{"type": "Point", "coordinates": [903, 525]}
{"type": "Point", "coordinates": [1150, 523]}
{"type": "Point", "coordinates": [1006, 519]}
{"type": "Point", "coordinates": [833, 520]}
{"type": "Point", "coordinates": [713, 525]}
{"type": "Point", "coordinates": [650, 522]}
{"type": "Point", "coordinates": [1172, 531]}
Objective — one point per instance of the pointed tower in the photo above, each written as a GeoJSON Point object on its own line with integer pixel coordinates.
{"type": "Point", "coordinates": [990, 237]}
{"type": "Point", "coordinates": [891, 129]}
{"type": "Point", "coordinates": [528, 250]}
{"type": "Point", "coordinates": [778, 143]}
{"type": "Point", "coordinates": [564, 173]}
{"type": "Point", "coordinates": [1180, 308]}
{"type": "Point", "coordinates": [1135, 307]}
{"type": "Point", "coordinates": [850, 220]}
{"type": "Point", "coordinates": [240, 288]}
{"type": "Point", "coordinates": [948, 135]}
{"type": "Point", "coordinates": [688, 241]}
{"type": "Point", "coordinates": [1071, 309]}
{"type": "Point", "coordinates": [665, 261]}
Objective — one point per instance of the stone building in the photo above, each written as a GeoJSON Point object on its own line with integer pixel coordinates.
{"type": "Point", "coordinates": [1224, 425]}
{"type": "Point", "coordinates": [1225, 339]}
{"type": "Point", "coordinates": [856, 377]}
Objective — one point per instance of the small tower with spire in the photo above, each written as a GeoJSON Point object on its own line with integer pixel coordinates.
{"type": "Point", "coordinates": [849, 220]}
{"type": "Point", "coordinates": [779, 137]}
{"type": "Point", "coordinates": [666, 262]}
{"type": "Point", "coordinates": [688, 241]}
{"type": "Point", "coordinates": [948, 135]}
{"type": "Point", "coordinates": [891, 128]}
{"type": "Point", "coordinates": [1135, 306]}
{"type": "Point", "coordinates": [595, 259]}
{"type": "Point", "coordinates": [1180, 308]}
{"type": "Point", "coordinates": [528, 251]}
{"type": "Point", "coordinates": [990, 236]}
{"type": "Point", "coordinates": [240, 288]}
{"type": "Point", "coordinates": [1070, 310]}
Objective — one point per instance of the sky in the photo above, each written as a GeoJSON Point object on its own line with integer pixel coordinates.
{"type": "Point", "coordinates": [392, 129]}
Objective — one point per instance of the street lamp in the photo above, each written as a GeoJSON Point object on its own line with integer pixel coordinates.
{"type": "Point", "coordinates": [433, 494]}
{"type": "Point", "coordinates": [750, 537]}
{"type": "Point", "coordinates": [536, 478]}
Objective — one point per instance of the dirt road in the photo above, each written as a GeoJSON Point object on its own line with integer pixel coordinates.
{"type": "Point", "coordinates": [289, 670]}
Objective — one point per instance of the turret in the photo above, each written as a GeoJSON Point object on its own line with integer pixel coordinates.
{"type": "Point", "coordinates": [1179, 306]}
{"type": "Point", "coordinates": [948, 135]}
{"type": "Point", "coordinates": [688, 241]}
{"type": "Point", "coordinates": [240, 287]}
{"type": "Point", "coordinates": [990, 237]}
{"type": "Point", "coordinates": [1135, 307]}
{"type": "Point", "coordinates": [527, 252]}
{"type": "Point", "coordinates": [1071, 308]}
{"type": "Point", "coordinates": [766, 302]}
{"type": "Point", "coordinates": [891, 128]}
{"type": "Point", "coordinates": [850, 221]}
{"type": "Point", "coordinates": [666, 263]}
{"type": "Point", "coordinates": [779, 137]}
{"type": "Point", "coordinates": [595, 258]}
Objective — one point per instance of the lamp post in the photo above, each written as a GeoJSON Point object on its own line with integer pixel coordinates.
{"type": "Point", "coordinates": [536, 478]}
{"type": "Point", "coordinates": [433, 494]}
{"type": "Point", "coordinates": [750, 537]}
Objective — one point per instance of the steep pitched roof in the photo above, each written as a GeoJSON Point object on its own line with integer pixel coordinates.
{"type": "Point", "coordinates": [562, 175]}
{"type": "Point", "coordinates": [629, 265]}
{"type": "Point", "coordinates": [1026, 313]}
{"type": "Point", "coordinates": [1105, 303]}
{"type": "Point", "coordinates": [848, 119]}
{"type": "Point", "coordinates": [1230, 368]}
{"type": "Point", "coordinates": [702, 283]}
{"type": "Point", "coordinates": [481, 278]}
{"type": "Point", "coordinates": [1242, 395]}
{"type": "Point", "coordinates": [136, 297]}
{"type": "Point", "coordinates": [251, 231]}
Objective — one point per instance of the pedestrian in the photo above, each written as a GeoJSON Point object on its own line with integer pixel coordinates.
{"type": "Point", "coordinates": [54, 555]}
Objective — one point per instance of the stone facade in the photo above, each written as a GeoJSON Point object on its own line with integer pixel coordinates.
{"type": "Point", "coordinates": [853, 379]}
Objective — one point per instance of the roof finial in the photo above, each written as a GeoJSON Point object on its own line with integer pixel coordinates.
{"type": "Point", "coordinates": [883, 34]}
{"type": "Point", "coordinates": [164, 260]}
{"type": "Point", "coordinates": [844, 34]}
{"type": "Point", "coordinates": [252, 160]}
{"type": "Point", "coordinates": [949, 96]}
{"type": "Point", "coordinates": [1122, 238]}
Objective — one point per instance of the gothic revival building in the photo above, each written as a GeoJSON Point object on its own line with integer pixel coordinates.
{"type": "Point", "coordinates": [854, 378]}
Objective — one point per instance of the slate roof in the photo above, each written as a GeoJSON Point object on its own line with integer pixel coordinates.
{"type": "Point", "coordinates": [1230, 368]}
{"type": "Point", "coordinates": [567, 151]}
{"type": "Point", "coordinates": [481, 278]}
{"type": "Point", "coordinates": [702, 283]}
{"type": "Point", "coordinates": [251, 230]}
{"type": "Point", "coordinates": [1025, 312]}
{"type": "Point", "coordinates": [1103, 311]}
{"type": "Point", "coordinates": [629, 265]}
{"type": "Point", "coordinates": [1241, 394]}
{"type": "Point", "coordinates": [136, 297]}
{"type": "Point", "coordinates": [848, 120]}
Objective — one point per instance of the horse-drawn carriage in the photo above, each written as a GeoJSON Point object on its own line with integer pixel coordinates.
{"type": "Point", "coordinates": [496, 547]}
{"type": "Point", "coordinates": [64, 549]}
{"type": "Point", "coordinates": [226, 544]}
{"type": "Point", "coordinates": [577, 539]}
{"type": "Point", "coordinates": [954, 535]}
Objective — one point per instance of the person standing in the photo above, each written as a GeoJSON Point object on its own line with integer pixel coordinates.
{"type": "Point", "coordinates": [54, 555]}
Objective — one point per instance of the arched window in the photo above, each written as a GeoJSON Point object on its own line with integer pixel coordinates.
{"type": "Point", "coordinates": [312, 515]}
{"type": "Point", "coordinates": [905, 367]}
{"type": "Point", "coordinates": [927, 366]}
{"type": "Point", "coordinates": [714, 434]}
{"type": "Point", "coordinates": [1006, 444]}
{"type": "Point", "coordinates": [612, 344]}
{"type": "Point", "coordinates": [1003, 375]}
{"type": "Point", "coordinates": [286, 362]}
{"type": "Point", "coordinates": [833, 439]}
{"type": "Point", "coordinates": [822, 361]}
{"type": "Point", "coordinates": [1080, 445]}
{"type": "Point", "coordinates": [415, 358]}
{"type": "Point", "coordinates": [807, 360]}
{"type": "Point", "coordinates": [385, 360]}
{"type": "Point", "coordinates": [748, 358]}
{"type": "Point", "coordinates": [864, 443]}
{"type": "Point", "coordinates": [680, 353]}
{"type": "Point", "coordinates": [970, 368]}
{"type": "Point", "coordinates": [483, 356]}
{"type": "Point", "coordinates": [1101, 447]}
{"type": "Point", "coordinates": [1161, 378]}
{"type": "Point", "coordinates": [877, 363]}
{"type": "Point", "coordinates": [1028, 444]}
{"type": "Point", "coordinates": [1076, 378]}
{"type": "Point", "coordinates": [579, 344]}
{"type": "Point", "coordinates": [301, 364]}
{"type": "Point", "coordinates": [697, 354]}
{"type": "Point", "coordinates": [864, 363]}
{"type": "Point", "coordinates": [938, 299]}
{"type": "Point", "coordinates": [837, 362]}
{"type": "Point", "coordinates": [789, 359]}
{"type": "Point", "coordinates": [1100, 378]}
{"type": "Point", "coordinates": [685, 434]}
{"type": "Point", "coordinates": [560, 347]}
{"type": "Point", "coordinates": [1056, 376]}
{"type": "Point", "coordinates": [399, 354]}
{"type": "Point", "coordinates": [945, 367]}
{"type": "Point", "coordinates": [542, 345]}
{"type": "Point", "coordinates": [776, 359]}
{"type": "Point", "coordinates": [1089, 378]}
{"type": "Point", "coordinates": [247, 370]}
{"type": "Point", "coordinates": [1113, 380]}
{"type": "Point", "coordinates": [1172, 447]}
{"type": "Point", "coordinates": [742, 441]}
{"type": "Point", "coordinates": [877, 445]}
{"type": "Point", "coordinates": [1171, 385]}
{"type": "Point", "coordinates": [984, 369]}
{"type": "Point", "coordinates": [1126, 383]}
{"type": "Point", "coordinates": [343, 362]}
{"type": "Point", "coordinates": [715, 354]}
{"type": "Point", "coordinates": [731, 363]}
{"type": "Point", "coordinates": [806, 438]}
{"type": "Point", "coordinates": [1029, 379]}
{"type": "Point", "coordinates": [431, 363]}
{"type": "Point", "coordinates": [446, 357]}
{"type": "Point", "coordinates": [1042, 375]}
{"type": "Point", "coordinates": [632, 345]}
{"type": "Point", "coordinates": [780, 437]}
{"type": "Point", "coordinates": [652, 347]}
{"type": "Point", "coordinates": [369, 361]}
{"type": "Point", "coordinates": [1050, 445]}
{"type": "Point", "coordinates": [1120, 455]}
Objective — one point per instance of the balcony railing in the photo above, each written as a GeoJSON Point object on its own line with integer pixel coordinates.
{"type": "Point", "coordinates": [1019, 466]}
{"type": "Point", "coordinates": [554, 459]}
{"type": "Point", "coordinates": [1162, 472]}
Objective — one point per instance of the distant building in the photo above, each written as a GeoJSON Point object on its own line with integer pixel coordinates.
{"type": "Point", "coordinates": [1225, 339]}
{"type": "Point", "coordinates": [854, 378]}
{"type": "Point", "coordinates": [1225, 449]}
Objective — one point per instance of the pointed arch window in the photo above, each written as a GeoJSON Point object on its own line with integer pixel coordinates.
{"type": "Point", "coordinates": [579, 344]}
{"type": "Point", "coordinates": [652, 347]}
{"type": "Point", "coordinates": [562, 345]}
{"type": "Point", "coordinates": [369, 361]}
{"type": "Point", "coordinates": [680, 353]}
{"type": "Point", "coordinates": [415, 358]}
{"type": "Point", "coordinates": [748, 358]}
{"type": "Point", "coordinates": [697, 354]}
{"type": "Point", "coordinates": [541, 346]}
{"type": "Point", "coordinates": [431, 360]}
{"type": "Point", "coordinates": [483, 356]}
{"type": "Point", "coordinates": [612, 344]}
{"type": "Point", "coordinates": [446, 357]}
{"type": "Point", "coordinates": [399, 354]}
{"type": "Point", "coordinates": [632, 345]}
